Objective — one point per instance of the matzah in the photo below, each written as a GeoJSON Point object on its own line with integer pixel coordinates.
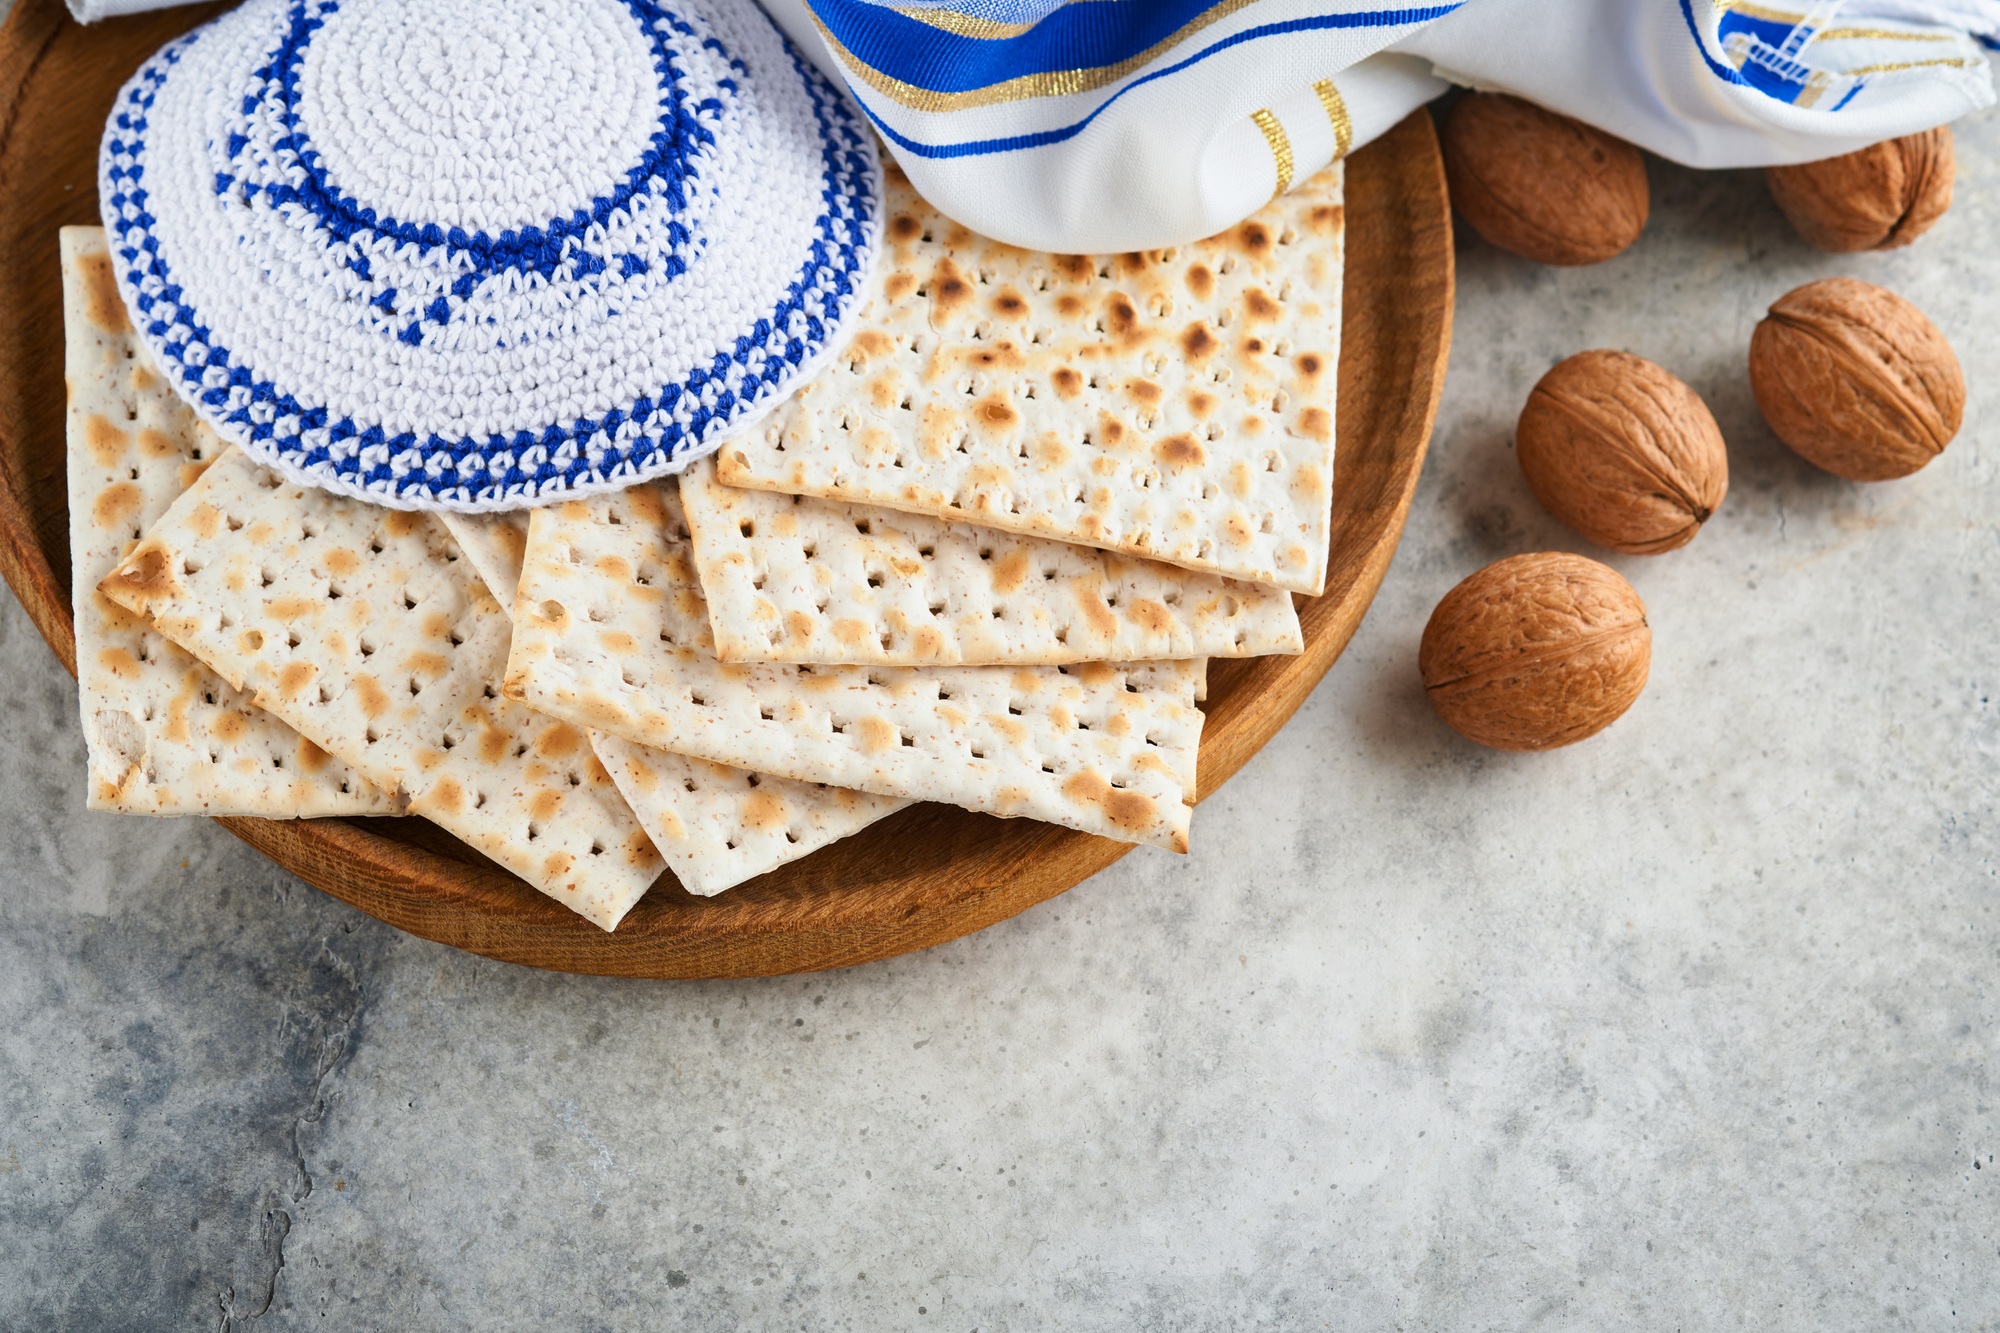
{"type": "Point", "coordinates": [715, 826]}
{"type": "Point", "coordinates": [363, 628]}
{"type": "Point", "coordinates": [1173, 404]}
{"type": "Point", "coordinates": [718, 826]}
{"type": "Point", "coordinates": [165, 735]}
{"type": "Point", "coordinates": [792, 579]}
{"type": "Point", "coordinates": [611, 632]}
{"type": "Point", "coordinates": [493, 543]}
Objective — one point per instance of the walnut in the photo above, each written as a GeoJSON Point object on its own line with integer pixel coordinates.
{"type": "Point", "coordinates": [1856, 380]}
{"type": "Point", "coordinates": [1622, 452]}
{"type": "Point", "coordinates": [1875, 199]}
{"type": "Point", "coordinates": [1536, 651]}
{"type": "Point", "coordinates": [1542, 185]}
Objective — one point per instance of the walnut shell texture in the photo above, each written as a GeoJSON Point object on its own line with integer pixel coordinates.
{"type": "Point", "coordinates": [1542, 185]}
{"type": "Point", "coordinates": [1623, 452]}
{"type": "Point", "coordinates": [1536, 651]}
{"type": "Point", "coordinates": [1878, 198]}
{"type": "Point", "coordinates": [1856, 379]}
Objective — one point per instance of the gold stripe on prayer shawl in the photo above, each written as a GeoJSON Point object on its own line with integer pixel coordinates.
{"type": "Point", "coordinates": [965, 25]}
{"type": "Point", "coordinates": [1052, 83]}
{"type": "Point", "coordinates": [1336, 114]}
{"type": "Point", "coordinates": [1905, 64]}
{"type": "Point", "coordinates": [1281, 146]}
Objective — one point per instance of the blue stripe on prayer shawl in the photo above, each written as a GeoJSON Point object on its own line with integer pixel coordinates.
{"type": "Point", "coordinates": [1075, 37]}
{"type": "Point", "coordinates": [1042, 138]}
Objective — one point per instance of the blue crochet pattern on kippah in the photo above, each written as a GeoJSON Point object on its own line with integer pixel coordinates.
{"type": "Point", "coordinates": [648, 436]}
{"type": "Point", "coordinates": [536, 248]}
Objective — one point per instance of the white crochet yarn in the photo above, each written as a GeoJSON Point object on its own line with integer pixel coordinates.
{"type": "Point", "coordinates": [482, 256]}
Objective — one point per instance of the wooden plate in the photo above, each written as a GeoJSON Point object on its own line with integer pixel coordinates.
{"type": "Point", "coordinates": [928, 874]}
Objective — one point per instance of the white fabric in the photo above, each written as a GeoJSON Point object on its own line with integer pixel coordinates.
{"type": "Point", "coordinates": [1179, 156]}
{"type": "Point", "coordinates": [1172, 148]}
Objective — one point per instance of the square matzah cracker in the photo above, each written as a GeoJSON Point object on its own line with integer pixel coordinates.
{"type": "Point", "coordinates": [494, 544]}
{"type": "Point", "coordinates": [612, 633]}
{"type": "Point", "coordinates": [718, 826]}
{"type": "Point", "coordinates": [1173, 404]}
{"type": "Point", "coordinates": [166, 736]}
{"type": "Point", "coordinates": [792, 579]}
{"type": "Point", "coordinates": [363, 628]}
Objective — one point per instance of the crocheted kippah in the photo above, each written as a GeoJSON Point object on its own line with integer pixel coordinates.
{"type": "Point", "coordinates": [479, 256]}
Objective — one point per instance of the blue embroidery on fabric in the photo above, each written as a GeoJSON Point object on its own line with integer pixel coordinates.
{"type": "Point", "coordinates": [532, 249]}
{"type": "Point", "coordinates": [1761, 41]}
{"type": "Point", "coordinates": [525, 464]}
{"type": "Point", "coordinates": [1715, 67]}
{"type": "Point", "coordinates": [1767, 49]}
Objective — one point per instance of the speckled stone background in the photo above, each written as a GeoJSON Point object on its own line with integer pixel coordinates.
{"type": "Point", "coordinates": [1690, 1026]}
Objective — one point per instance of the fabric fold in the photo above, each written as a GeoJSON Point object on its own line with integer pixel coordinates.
{"type": "Point", "coordinates": [1095, 125]}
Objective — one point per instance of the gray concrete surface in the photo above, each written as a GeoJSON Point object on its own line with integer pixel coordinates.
{"type": "Point", "coordinates": [1690, 1026]}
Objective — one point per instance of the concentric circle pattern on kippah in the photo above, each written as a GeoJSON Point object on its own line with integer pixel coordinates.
{"type": "Point", "coordinates": [480, 256]}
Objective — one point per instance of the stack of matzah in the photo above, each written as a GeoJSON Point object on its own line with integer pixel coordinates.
{"type": "Point", "coordinates": [981, 559]}
{"type": "Point", "coordinates": [165, 735]}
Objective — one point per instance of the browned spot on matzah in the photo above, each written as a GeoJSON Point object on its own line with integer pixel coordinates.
{"type": "Point", "coordinates": [295, 677]}
{"type": "Point", "coordinates": [119, 662]}
{"type": "Point", "coordinates": [115, 505]}
{"type": "Point", "coordinates": [998, 413]}
{"type": "Point", "coordinates": [948, 288]}
{"type": "Point", "coordinates": [1011, 571]}
{"type": "Point", "coordinates": [763, 810]}
{"type": "Point", "coordinates": [104, 307]}
{"type": "Point", "coordinates": [105, 441]}
{"type": "Point", "coordinates": [559, 742]}
{"type": "Point", "coordinates": [1197, 343]}
{"type": "Point", "coordinates": [374, 699]}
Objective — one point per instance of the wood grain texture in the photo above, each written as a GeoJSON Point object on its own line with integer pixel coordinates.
{"type": "Point", "coordinates": [926, 875]}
